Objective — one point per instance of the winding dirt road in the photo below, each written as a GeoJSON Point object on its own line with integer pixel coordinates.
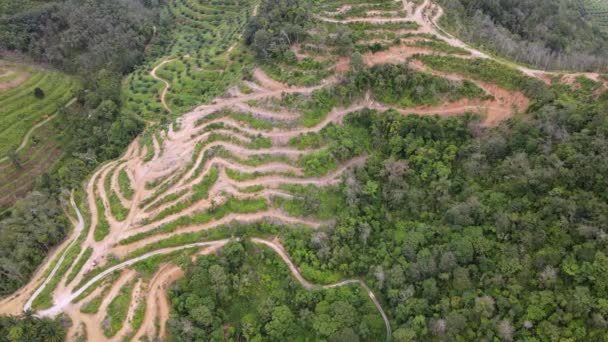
{"type": "Point", "coordinates": [178, 169]}
{"type": "Point", "coordinates": [276, 246]}
{"type": "Point", "coordinates": [163, 93]}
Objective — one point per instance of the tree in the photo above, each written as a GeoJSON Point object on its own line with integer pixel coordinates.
{"type": "Point", "coordinates": [282, 322]}
{"type": "Point", "coordinates": [39, 93]}
{"type": "Point", "coordinates": [14, 158]}
{"type": "Point", "coordinates": [219, 281]}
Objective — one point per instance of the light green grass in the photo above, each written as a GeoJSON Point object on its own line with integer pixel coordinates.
{"type": "Point", "coordinates": [20, 109]}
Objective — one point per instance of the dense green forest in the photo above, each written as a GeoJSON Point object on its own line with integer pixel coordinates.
{"type": "Point", "coordinates": [28, 328]}
{"type": "Point", "coordinates": [545, 33]}
{"type": "Point", "coordinates": [247, 293]}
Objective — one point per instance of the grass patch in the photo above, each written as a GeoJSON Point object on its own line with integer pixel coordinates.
{"type": "Point", "coordinates": [79, 264]}
{"type": "Point", "coordinates": [117, 311]}
{"type": "Point", "coordinates": [103, 227]}
{"type": "Point", "coordinates": [486, 70]}
{"type": "Point", "coordinates": [232, 205]}
{"type": "Point", "coordinates": [124, 183]}
{"type": "Point", "coordinates": [116, 207]}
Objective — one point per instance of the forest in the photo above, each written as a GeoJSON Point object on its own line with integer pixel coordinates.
{"type": "Point", "coordinates": [250, 288]}
{"type": "Point", "coordinates": [469, 233]}
{"type": "Point", "coordinates": [549, 34]}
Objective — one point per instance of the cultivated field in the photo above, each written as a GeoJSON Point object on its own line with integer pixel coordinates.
{"type": "Point", "coordinates": [26, 124]}
{"type": "Point", "coordinates": [203, 59]}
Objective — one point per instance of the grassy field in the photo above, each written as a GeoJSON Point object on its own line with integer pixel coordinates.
{"type": "Point", "coordinates": [20, 109]}
{"type": "Point", "coordinates": [26, 124]}
{"type": "Point", "coordinates": [204, 59]}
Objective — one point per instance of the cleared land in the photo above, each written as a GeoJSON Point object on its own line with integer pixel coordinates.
{"type": "Point", "coordinates": [244, 157]}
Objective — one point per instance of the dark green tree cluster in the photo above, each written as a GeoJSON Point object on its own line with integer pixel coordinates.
{"type": "Point", "coordinates": [278, 25]}
{"type": "Point", "coordinates": [81, 36]}
{"type": "Point", "coordinates": [27, 328]}
{"type": "Point", "coordinates": [400, 85]}
{"type": "Point", "coordinates": [247, 293]}
{"type": "Point", "coordinates": [479, 234]}
{"type": "Point", "coordinates": [546, 33]}
{"type": "Point", "coordinates": [35, 226]}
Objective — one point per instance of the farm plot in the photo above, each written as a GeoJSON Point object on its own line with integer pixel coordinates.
{"type": "Point", "coordinates": [201, 62]}
{"type": "Point", "coordinates": [31, 96]}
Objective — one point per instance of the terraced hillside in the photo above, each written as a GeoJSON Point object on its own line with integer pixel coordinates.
{"type": "Point", "coordinates": [261, 161]}
{"type": "Point", "coordinates": [202, 59]}
{"type": "Point", "coordinates": [26, 126]}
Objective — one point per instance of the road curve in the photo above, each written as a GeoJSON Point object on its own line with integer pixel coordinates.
{"type": "Point", "coordinates": [167, 84]}
{"type": "Point", "coordinates": [308, 285]}
{"type": "Point", "coordinates": [58, 307]}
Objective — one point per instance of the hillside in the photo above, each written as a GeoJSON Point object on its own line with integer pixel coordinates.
{"type": "Point", "coordinates": [549, 34]}
{"type": "Point", "coordinates": [340, 171]}
{"type": "Point", "coordinates": [28, 144]}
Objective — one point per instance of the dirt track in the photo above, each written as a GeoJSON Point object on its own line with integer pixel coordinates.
{"type": "Point", "coordinates": [163, 93]}
{"type": "Point", "coordinates": [176, 159]}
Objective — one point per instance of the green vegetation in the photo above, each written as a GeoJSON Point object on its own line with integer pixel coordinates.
{"type": "Point", "coordinates": [440, 46]}
{"type": "Point", "coordinates": [117, 311]}
{"type": "Point", "coordinates": [195, 39]}
{"type": "Point", "coordinates": [111, 36]}
{"type": "Point", "coordinates": [251, 189]}
{"type": "Point", "coordinates": [232, 205]}
{"type": "Point", "coordinates": [486, 70]}
{"type": "Point", "coordinates": [92, 306]}
{"type": "Point", "coordinates": [166, 199]}
{"type": "Point", "coordinates": [310, 201]}
{"type": "Point", "coordinates": [26, 238]}
{"type": "Point", "coordinates": [253, 160]}
{"type": "Point", "coordinates": [103, 227]}
{"type": "Point", "coordinates": [139, 314]}
{"type": "Point", "coordinates": [116, 207]}
{"type": "Point", "coordinates": [278, 25]}
{"type": "Point", "coordinates": [27, 327]}
{"type": "Point", "coordinates": [306, 72]}
{"type": "Point", "coordinates": [45, 298]}
{"type": "Point", "coordinates": [245, 118]}
{"type": "Point", "coordinates": [147, 143]}
{"type": "Point", "coordinates": [556, 34]}
{"type": "Point", "coordinates": [20, 109]}
{"type": "Point", "coordinates": [124, 184]}
{"type": "Point", "coordinates": [199, 191]}
{"type": "Point", "coordinates": [79, 264]}
{"type": "Point", "coordinates": [108, 280]}
{"type": "Point", "coordinates": [596, 11]}
{"type": "Point", "coordinates": [399, 85]}
{"type": "Point", "coordinates": [471, 224]}
{"type": "Point", "coordinates": [274, 307]}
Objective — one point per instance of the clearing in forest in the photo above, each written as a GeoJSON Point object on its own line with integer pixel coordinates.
{"type": "Point", "coordinates": [264, 157]}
